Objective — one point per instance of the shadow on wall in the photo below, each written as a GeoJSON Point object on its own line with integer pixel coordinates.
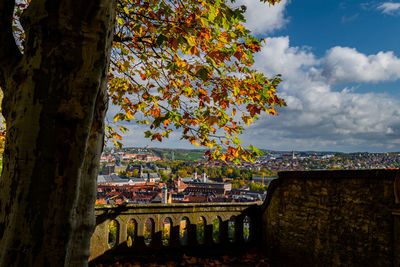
{"type": "Point", "coordinates": [333, 218]}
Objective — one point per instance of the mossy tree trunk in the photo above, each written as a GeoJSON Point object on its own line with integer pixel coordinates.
{"type": "Point", "coordinates": [54, 104]}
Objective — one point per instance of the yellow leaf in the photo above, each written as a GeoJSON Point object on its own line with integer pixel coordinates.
{"type": "Point", "coordinates": [223, 157]}
{"type": "Point", "coordinates": [120, 21]}
{"type": "Point", "coordinates": [129, 115]}
{"type": "Point", "coordinates": [194, 142]}
{"type": "Point", "coordinates": [191, 40]}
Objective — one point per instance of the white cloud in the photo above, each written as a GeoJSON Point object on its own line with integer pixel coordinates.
{"type": "Point", "coordinates": [263, 18]}
{"type": "Point", "coordinates": [390, 8]}
{"type": "Point", "coordinates": [290, 61]}
{"type": "Point", "coordinates": [343, 64]}
{"type": "Point", "coordinates": [319, 117]}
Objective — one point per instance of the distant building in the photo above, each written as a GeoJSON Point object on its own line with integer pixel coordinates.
{"type": "Point", "coordinates": [216, 188]}
{"type": "Point", "coordinates": [112, 179]}
{"type": "Point", "coordinates": [176, 185]}
{"type": "Point", "coordinates": [151, 177]}
{"type": "Point", "coordinates": [108, 169]}
{"type": "Point", "coordinates": [246, 195]}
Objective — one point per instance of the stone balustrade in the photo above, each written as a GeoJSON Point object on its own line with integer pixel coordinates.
{"type": "Point", "coordinates": [141, 227]}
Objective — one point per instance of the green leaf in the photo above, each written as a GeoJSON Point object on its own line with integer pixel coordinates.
{"type": "Point", "coordinates": [147, 134]}
{"type": "Point", "coordinates": [255, 150]}
{"type": "Point", "coordinates": [236, 140]}
{"type": "Point", "coordinates": [161, 39]}
{"type": "Point", "coordinates": [203, 74]}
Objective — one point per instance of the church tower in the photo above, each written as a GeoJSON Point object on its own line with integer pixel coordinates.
{"type": "Point", "coordinates": [204, 177]}
{"type": "Point", "coordinates": [141, 172]}
{"type": "Point", "coordinates": [164, 191]}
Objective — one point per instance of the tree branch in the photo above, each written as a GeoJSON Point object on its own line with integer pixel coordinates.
{"type": "Point", "coordinates": [120, 39]}
{"type": "Point", "coordinates": [9, 52]}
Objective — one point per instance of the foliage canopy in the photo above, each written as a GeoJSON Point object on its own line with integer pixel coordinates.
{"type": "Point", "coordinates": [186, 64]}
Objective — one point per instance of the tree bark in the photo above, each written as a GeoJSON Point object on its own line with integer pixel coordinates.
{"type": "Point", "coordinates": [79, 250]}
{"type": "Point", "coordinates": [54, 105]}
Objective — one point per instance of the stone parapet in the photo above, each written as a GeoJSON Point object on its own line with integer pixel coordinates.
{"type": "Point", "coordinates": [332, 218]}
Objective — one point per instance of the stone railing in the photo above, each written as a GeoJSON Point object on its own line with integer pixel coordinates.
{"type": "Point", "coordinates": [135, 228]}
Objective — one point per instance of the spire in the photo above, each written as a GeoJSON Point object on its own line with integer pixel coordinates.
{"type": "Point", "coordinates": [204, 177]}
{"type": "Point", "coordinates": [141, 171]}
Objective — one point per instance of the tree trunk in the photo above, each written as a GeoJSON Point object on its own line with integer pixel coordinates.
{"type": "Point", "coordinates": [54, 105]}
{"type": "Point", "coordinates": [79, 250]}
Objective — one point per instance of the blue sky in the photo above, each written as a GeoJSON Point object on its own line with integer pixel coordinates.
{"type": "Point", "coordinates": [359, 24]}
{"type": "Point", "coordinates": [340, 62]}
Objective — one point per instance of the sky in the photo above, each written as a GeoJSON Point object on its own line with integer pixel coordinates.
{"type": "Point", "coordinates": [340, 65]}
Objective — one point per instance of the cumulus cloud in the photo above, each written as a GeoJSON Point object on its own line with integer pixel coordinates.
{"type": "Point", "coordinates": [389, 8]}
{"type": "Point", "coordinates": [278, 57]}
{"type": "Point", "coordinates": [263, 18]}
{"type": "Point", "coordinates": [343, 64]}
{"type": "Point", "coordinates": [319, 117]}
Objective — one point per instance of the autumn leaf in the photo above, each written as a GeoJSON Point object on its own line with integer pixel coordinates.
{"type": "Point", "coordinates": [185, 66]}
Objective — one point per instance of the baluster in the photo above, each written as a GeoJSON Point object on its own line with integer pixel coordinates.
{"type": "Point", "coordinates": [192, 233]}
{"type": "Point", "coordinates": [174, 238]}
{"type": "Point", "coordinates": [157, 234]}
{"type": "Point", "coordinates": [139, 242]}
{"type": "Point", "coordinates": [223, 231]}
{"type": "Point", "coordinates": [122, 229]}
{"type": "Point", "coordinates": [239, 230]}
{"type": "Point", "coordinates": [208, 232]}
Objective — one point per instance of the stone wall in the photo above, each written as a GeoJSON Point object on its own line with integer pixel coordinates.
{"type": "Point", "coordinates": [332, 218]}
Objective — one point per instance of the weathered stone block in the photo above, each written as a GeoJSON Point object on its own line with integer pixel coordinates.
{"type": "Point", "coordinates": [332, 218]}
